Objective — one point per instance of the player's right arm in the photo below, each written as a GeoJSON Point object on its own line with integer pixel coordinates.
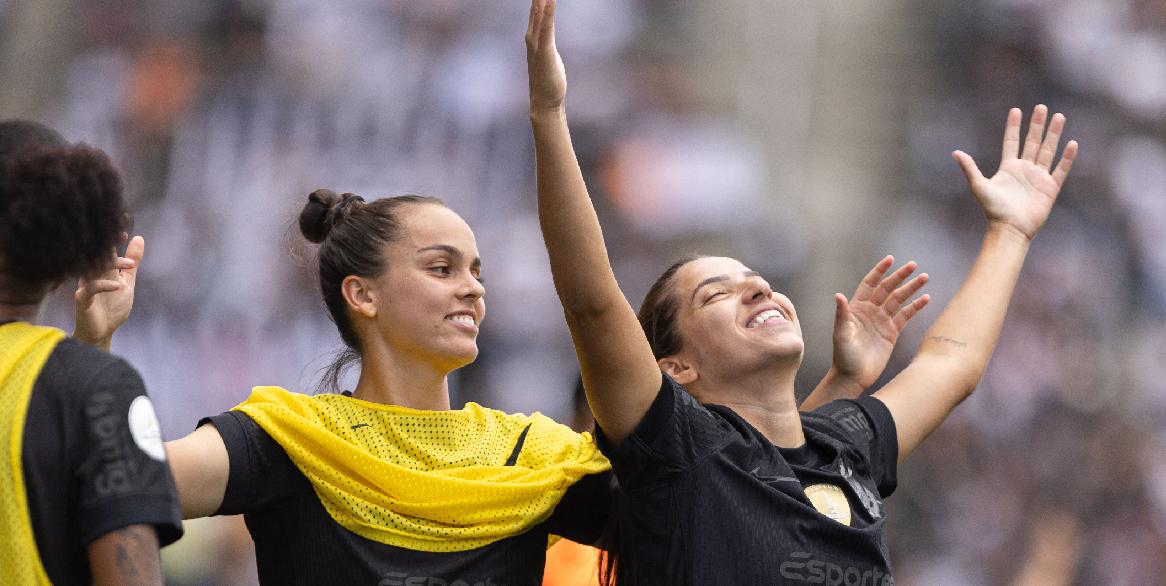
{"type": "Point", "coordinates": [200, 466]}
{"type": "Point", "coordinates": [620, 374]}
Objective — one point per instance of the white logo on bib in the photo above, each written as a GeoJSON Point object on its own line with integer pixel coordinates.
{"type": "Point", "coordinates": [145, 429]}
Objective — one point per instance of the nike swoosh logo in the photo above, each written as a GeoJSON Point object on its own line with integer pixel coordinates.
{"type": "Point", "coordinates": [768, 479]}
{"type": "Point", "coordinates": [360, 425]}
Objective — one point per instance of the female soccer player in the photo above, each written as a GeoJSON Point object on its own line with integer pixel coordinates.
{"type": "Point", "coordinates": [85, 492]}
{"type": "Point", "coordinates": [723, 481]}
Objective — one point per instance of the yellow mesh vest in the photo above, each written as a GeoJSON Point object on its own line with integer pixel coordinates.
{"type": "Point", "coordinates": [433, 481]}
{"type": "Point", "coordinates": [24, 348]}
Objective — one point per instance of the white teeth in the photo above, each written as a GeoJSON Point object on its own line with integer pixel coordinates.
{"type": "Point", "coordinates": [765, 316]}
{"type": "Point", "coordinates": [469, 319]}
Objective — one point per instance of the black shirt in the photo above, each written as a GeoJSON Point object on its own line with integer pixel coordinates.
{"type": "Point", "coordinates": [298, 542]}
{"type": "Point", "coordinates": [707, 499]}
{"type": "Point", "coordinates": [93, 459]}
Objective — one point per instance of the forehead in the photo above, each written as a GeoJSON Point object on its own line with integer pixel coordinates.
{"type": "Point", "coordinates": [430, 224]}
{"type": "Point", "coordinates": [691, 274]}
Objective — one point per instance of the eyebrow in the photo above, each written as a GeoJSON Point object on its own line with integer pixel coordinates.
{"type": "Point", "coordinates": [454, 252]}
{"type": "Point", "coordinates": [718, 279]}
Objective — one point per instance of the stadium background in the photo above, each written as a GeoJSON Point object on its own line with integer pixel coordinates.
{"type": "Point", "coordinates": [806, 138]}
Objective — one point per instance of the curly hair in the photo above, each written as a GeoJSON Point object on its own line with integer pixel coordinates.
{"type": "Point", "coordinates": [61, 215]}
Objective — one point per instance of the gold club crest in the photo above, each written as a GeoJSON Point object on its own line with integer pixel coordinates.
{"type": "Point", "coordinates": [830, 501]}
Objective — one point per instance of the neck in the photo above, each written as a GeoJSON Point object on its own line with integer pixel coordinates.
{"type": "Point", "coordinates": [29, 312]}
{"type": "Point", "coordinates": [392, 380]}
{"type": "Point", "coordinates": [765, 399]}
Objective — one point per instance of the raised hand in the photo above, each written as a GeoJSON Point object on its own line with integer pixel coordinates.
{"type": "Point", "coordinates": [104, 303]}
{"type": "Point", "coordinates": [548, 78]}
{"type": "Point", "coordinates": [867, 326]}
{"type": "Point", "coordinates": [1021, 193]}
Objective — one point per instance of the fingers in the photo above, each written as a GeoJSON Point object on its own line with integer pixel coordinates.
{"type": "Point", "coordinates": [541, 25]}
{"type": "Point", "coordinates": [88, 289]}
{"type": "Point", "coordinates": [532, 25]}
{"type": "Point", "coordinates": [871, 280]}
{"type": "Point", "coordinates": [1062, 170]}
{"type": "Point", "coordinates": [902, 294]}
{"type": "Point", "coordinates": [910, 311]}
{"type": "Point", "coordinates": [1048, 149]}
{"type": "Point", "coordinates": [968, 165]}
{"type": "Point", "coordinates": [1036, 130]}
{"type": "Point", "coordinates": [1011, 135]}
{"type": "Point", "coordinates": [885, 289]}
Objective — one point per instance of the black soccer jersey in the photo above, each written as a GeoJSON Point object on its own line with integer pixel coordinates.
{"type": "Point", "coordinates": [298, 542]}
{"type": "Point", "coordinates": [93, 459]}
{"type": "Point", "coordinates": [707, 499]}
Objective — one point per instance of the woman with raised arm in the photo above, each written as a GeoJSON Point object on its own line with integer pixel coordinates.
{"type": "Point", "coordinates": [723, 481]}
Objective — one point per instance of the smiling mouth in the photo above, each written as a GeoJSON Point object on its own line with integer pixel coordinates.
{"type": "Point", "coordinates": [769, 315]}
{"type": "Point", "coordinates": [462, 318]}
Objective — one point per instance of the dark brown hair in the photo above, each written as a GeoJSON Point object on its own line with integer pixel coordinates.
{"type": "Point", "coordinates": [658, 311]}
{"type": "Point", "coordinates": [352, 235]}
{"type": "Point", "coordinates": [61, 215]}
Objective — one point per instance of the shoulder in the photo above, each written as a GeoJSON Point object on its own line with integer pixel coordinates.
{"type": "Point", "coordinates": [76, 361]}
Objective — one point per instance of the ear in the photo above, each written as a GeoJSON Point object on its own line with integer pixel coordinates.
{"type": "Point", "coordinates": [680, 370]}
{"type": "Point", "coordinates": [359, 295]}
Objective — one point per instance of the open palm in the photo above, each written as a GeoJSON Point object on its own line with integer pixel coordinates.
{"type": "Point", "coordinates": [867, 326]}
{"type": "Point", "coordinates": [1021, 193]}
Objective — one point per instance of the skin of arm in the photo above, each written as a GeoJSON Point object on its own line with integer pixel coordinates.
{"type": "Point", "coordinates": [126, 556]}
{"type": "Point", "coordinates": [620, 374]}
{"type": "Point", "coordinates": [866, 329]}
{"type": "Point", "coordinates": [956, 349]}
{"type": "Point", "coordinates": [201, 466]}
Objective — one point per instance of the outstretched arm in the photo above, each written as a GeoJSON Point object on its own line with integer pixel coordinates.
{"type": "Point", "coordinates": [866, 328]}
{"type": "Point", "coordinates": [620, 375]}
{"type": "Point", "coordinates": [104, 303]}
{"type": "Point", "coordinates": [956, 349]}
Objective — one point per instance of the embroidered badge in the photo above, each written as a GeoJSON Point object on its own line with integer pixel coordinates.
{"type": "Point", "coordinates": [830, 501]}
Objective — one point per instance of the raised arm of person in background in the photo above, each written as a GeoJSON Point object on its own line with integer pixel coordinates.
{"type": "Point", "coordinates": [955, 352]}
{"type": "Point", "coordinates": [866, 328]}
{"type": "Point", "coordinates": [620, 374]}
{"type": "Point", "coordinates": [198, 461]}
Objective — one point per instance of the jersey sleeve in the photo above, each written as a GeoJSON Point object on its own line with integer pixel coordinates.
{"type": "Point", "coordinates": [259, 466]}
{"type": "Point", "coordinates": [675, 433]}
{"type": "Point", "coordinates": [122, 473]}
{"type": "Point", "coordinates": [582, 514]}
{"type": "Point", "coordinates": [868, 425]}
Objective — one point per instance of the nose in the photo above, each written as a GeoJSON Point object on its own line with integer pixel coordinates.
{"type": "Point", "coordinates": [758, 291]}
{"type": "Point", "coordinates": [472, 288]}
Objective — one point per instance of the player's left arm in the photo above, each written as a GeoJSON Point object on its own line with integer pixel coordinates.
{"type": "Point", "coordinates": [955, 351]}
{"type": "Point", "coordinates": [126, 556]}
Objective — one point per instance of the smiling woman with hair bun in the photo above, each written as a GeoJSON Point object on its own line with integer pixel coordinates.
{"type": "Point", "coordinates": [389, 484]}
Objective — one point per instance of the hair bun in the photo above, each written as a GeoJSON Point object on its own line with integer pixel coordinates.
{"type": "Point", "coordinates": [325, 209]}
{"type": "Point", "coordinates": [314, 220]}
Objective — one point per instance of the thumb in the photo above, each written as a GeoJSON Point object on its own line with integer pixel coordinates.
{"type": "Point", "coordinates": [968, 165]}
{"type": "Point", "coordinates": [134, 251]}
{"type": "Point", "coordinates": [841, 314]}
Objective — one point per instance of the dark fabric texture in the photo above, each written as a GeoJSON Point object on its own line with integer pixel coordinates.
{"type": "Point", "coordinates": [297, 542]}
{"type": "Point", "coordinates": [84, 473]}
{"type": "Point", "coordinates": [707, 499]}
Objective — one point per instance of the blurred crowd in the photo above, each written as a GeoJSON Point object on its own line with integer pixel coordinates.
{"type": "Point", "coordinates": [225, 114]}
